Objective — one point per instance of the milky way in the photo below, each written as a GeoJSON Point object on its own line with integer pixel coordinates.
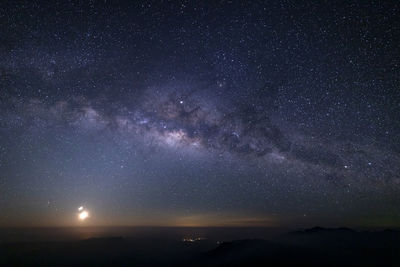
{"type": "Point", "coordinates": [197, 115]}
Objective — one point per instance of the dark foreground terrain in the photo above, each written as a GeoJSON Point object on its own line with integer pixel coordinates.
{"type": "Point", "coordinates": [312, 247]}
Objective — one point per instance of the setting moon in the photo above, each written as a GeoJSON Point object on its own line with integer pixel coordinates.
{"type": "Point", "coordinates": [83, 214]}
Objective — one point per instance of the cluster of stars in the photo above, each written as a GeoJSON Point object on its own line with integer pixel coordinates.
{"type": "Point", "coordinates": [173, 109]}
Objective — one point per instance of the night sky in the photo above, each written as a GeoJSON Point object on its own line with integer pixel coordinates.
{"type": "Point", "coordinates": [200, 113]}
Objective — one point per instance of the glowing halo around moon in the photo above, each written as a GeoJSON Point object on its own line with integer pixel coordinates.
{"type": "Point", "coordinates": [82, 214]}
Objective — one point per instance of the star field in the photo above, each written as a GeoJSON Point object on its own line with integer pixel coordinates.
{"type": "Point", "coordinates": [214, 113]}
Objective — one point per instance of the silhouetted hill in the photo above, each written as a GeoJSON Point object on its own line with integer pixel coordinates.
{"type": "Point", "coordinates": [319, 230]}
{"type": "Point", "coordinates": [311, 247]}
{"type": "Point", "coordinates": [246, 253]}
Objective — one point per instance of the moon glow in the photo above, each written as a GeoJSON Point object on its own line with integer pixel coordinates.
{"type": "Point", "coordinates": [83, 214]}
